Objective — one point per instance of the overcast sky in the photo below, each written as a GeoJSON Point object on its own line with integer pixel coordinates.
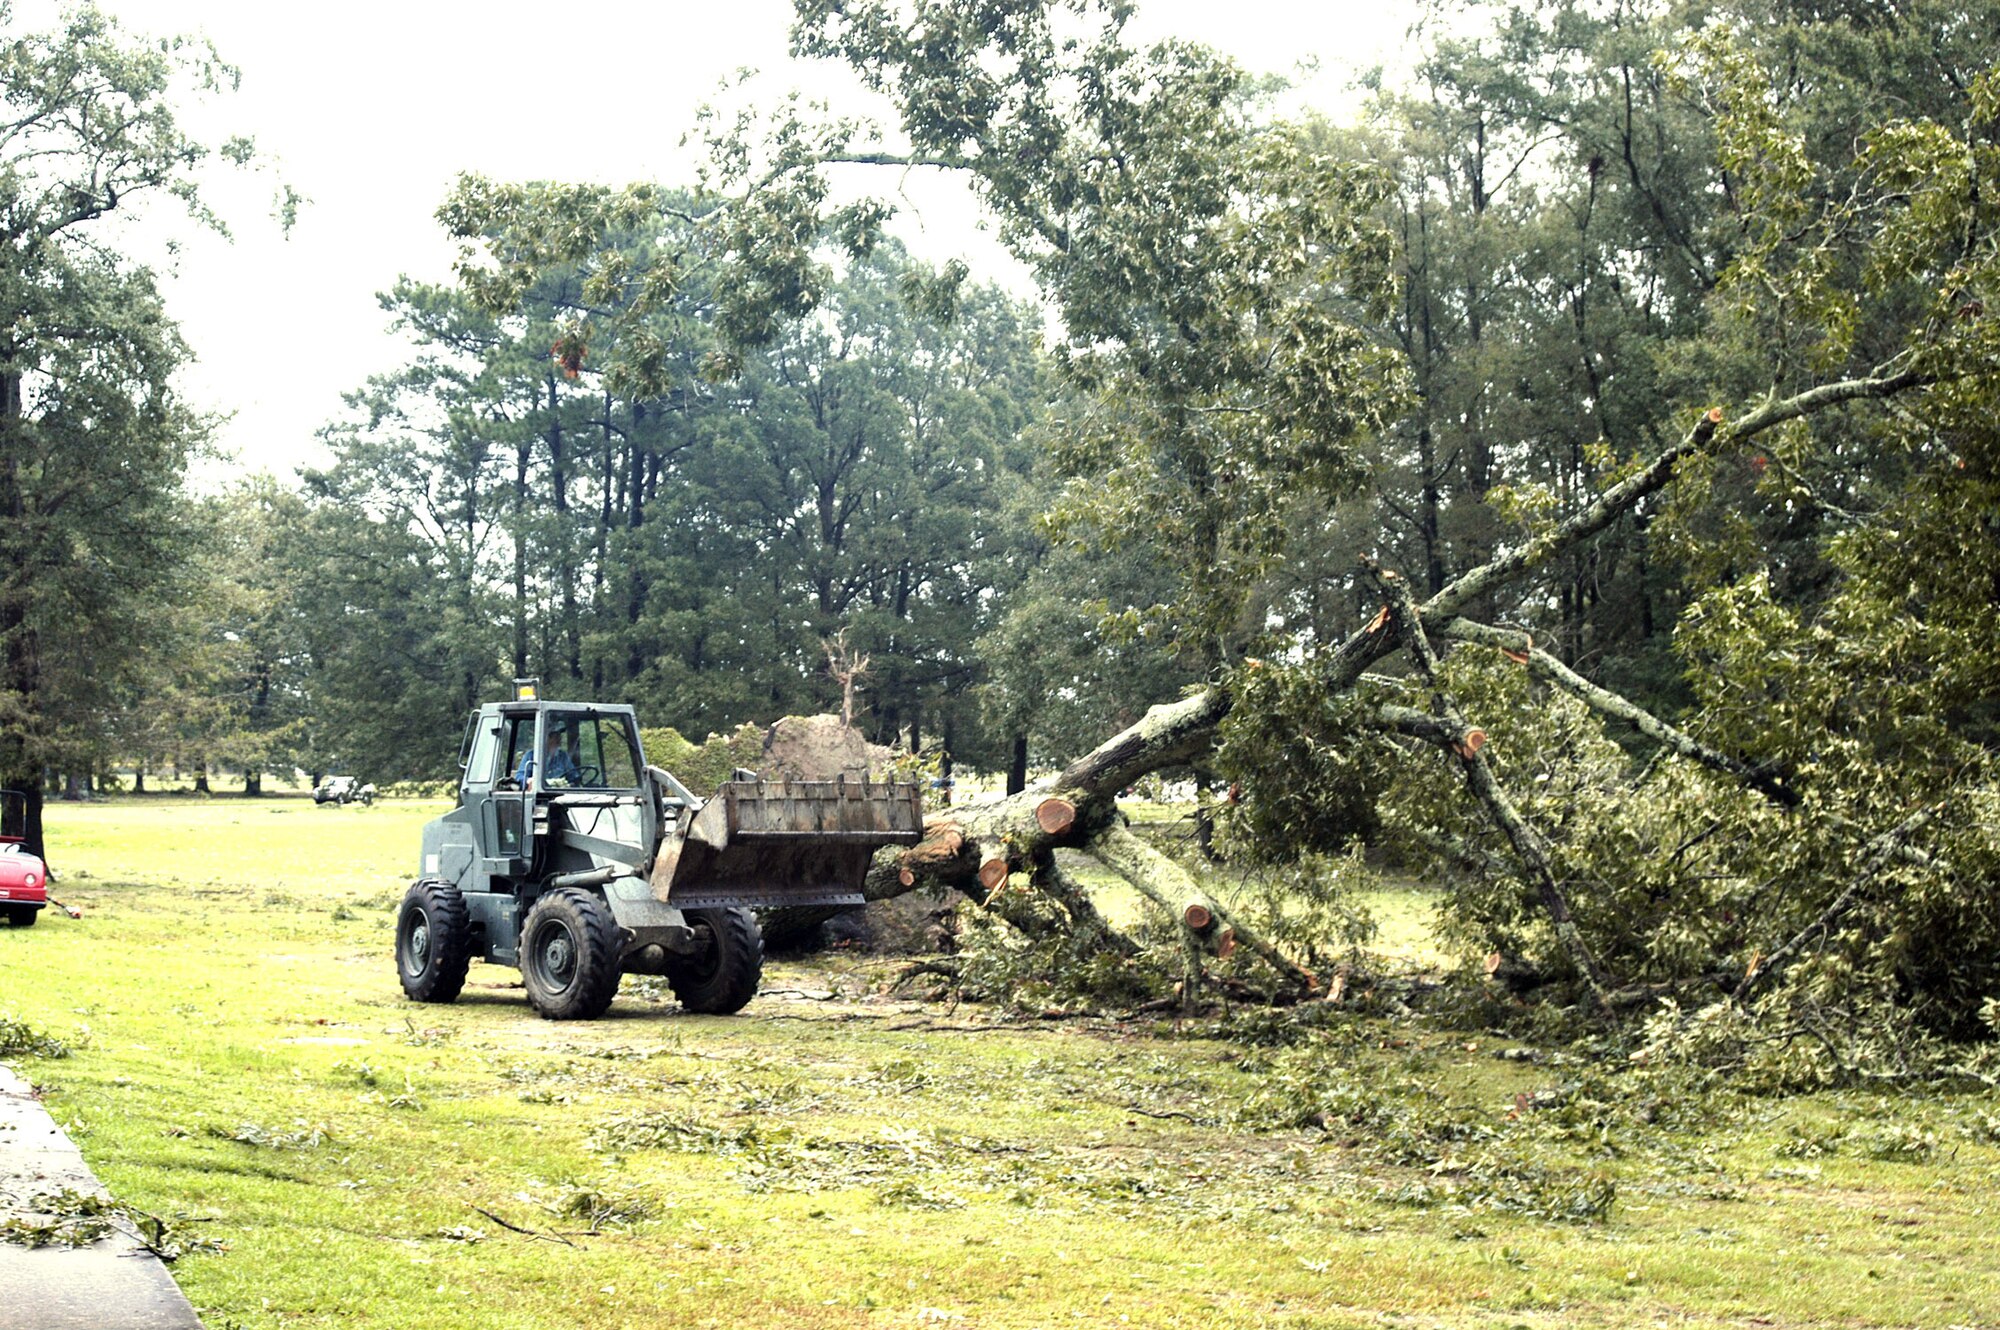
{"type": "Point", "coordinates": [370, 109]}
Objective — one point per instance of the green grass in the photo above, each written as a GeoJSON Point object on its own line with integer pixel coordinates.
{"type": "Point", "coordinates": [246, 1067]}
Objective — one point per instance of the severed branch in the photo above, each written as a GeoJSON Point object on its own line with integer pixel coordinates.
{"type": "Point", "coordinates": [1451, 732]}
{"type": "Point", "coordinates": [1158, 878]}
{"type": "Point", "coordinates": [1171, 887]}
{"type": "Point", "coordinates": [1521, 646]}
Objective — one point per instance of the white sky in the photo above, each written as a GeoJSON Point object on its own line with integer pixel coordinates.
{"type": "Point", "coordinates": [370, 109]}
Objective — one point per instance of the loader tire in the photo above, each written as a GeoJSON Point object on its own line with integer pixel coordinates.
{"type": "Point", "coordinates": [23, 916]}
{"type": "Point", "coordinates": [569, 955]}
{"type": "Point", "coordinates": [723, 976]}
{"type": "Point", "coordinates": [433, 942]}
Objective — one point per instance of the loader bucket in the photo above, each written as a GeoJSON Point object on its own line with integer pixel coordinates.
{"type": "Point", "coordinates": [785, 842]}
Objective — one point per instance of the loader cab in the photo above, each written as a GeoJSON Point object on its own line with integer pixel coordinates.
{"type": "Point", "coordinates": [491, 799]}
{"type": "Point", "coordinates": [549, 748]}
{"type": "Point", "coordinates": [531, 766]}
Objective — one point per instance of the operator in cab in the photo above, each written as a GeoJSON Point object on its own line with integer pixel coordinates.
{"type": "Point", "coordinates": [557, 762]}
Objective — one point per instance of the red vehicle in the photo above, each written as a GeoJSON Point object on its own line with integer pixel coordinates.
{"type": "Point", "coordinates": [24, 879]}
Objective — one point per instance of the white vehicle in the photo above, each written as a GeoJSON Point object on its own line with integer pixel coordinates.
{"type": "Point", "coordinates": [343, 790]}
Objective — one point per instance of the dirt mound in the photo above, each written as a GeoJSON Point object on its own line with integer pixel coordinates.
{"type": "Point", "coordinates": [819, 748]}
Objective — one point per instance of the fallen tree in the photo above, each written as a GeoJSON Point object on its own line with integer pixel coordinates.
{"type": "Point", "coordinates": [992, 847]}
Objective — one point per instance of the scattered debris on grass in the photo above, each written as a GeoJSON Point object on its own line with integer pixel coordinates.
{"type": "Point", "coordinates": [20, 1039]}
{"type": "Point", "coordinates": [69, 1218]}
{"type": "Point", "coordinates": [250, 1133]}
{"type": "Point", "coordinates": [602, 1207]}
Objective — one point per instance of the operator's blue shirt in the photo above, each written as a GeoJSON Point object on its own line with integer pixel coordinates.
{"type": "Point", "coordinates": [561, 767]}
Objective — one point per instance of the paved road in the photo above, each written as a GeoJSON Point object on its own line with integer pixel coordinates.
{"type": "Point", "coordinates": [114, 1283]}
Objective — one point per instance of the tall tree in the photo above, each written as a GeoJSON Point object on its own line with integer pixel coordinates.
{"type": "Point", "coordinates": [690, 550]}
{"type": "Point", "coordinates": [93, 440]}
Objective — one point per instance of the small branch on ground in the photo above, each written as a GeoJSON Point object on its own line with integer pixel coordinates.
{"type": "Point", "coordinates": [516, 1228]}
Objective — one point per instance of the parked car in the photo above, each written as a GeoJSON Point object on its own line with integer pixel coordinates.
{"type": "Point", "coordinates": [24, 878]}
{"type": "Point", "coordinates": [343, 790]}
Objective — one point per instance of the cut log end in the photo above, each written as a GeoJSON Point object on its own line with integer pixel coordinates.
{"type": "Point", "coordinates": [993, 874]}
{"type": "Point", "coordinates": [1198, 917]}
{"type": "Point", "coordinates": [1473, 741]}
{"type": "Point", "coordinates": [1225, 942]}
{"type": "Point", "coordinates": [906, 877]}
{"type": "Point", "coordinates": [940, 845]}
{"type": "Point", "coordinates": [1055, 816]}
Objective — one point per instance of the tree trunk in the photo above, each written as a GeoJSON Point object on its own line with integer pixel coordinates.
{"type": "Point", "coordinates": [974, 847]}
{"type": "Point", "coordinates": [1204, 832]}
{"type": "Point", "coordinates": [20, 653]}
{"type": "Point", "coordinates": [945, 767]}
{"type": "Point", "coordinates": [523, 454]}
{"type": "Point", "coordinates": [1017, 765]}
{"type": "Point", "coordinates": [32, 838]}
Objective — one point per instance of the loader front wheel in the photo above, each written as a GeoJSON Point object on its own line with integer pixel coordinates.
{"type": "Point", "coordinates": [569, 956]}
{"type": "Point", "coordinates": [723, 976]}
{"type": "Point", "coordinates": [433, 942]}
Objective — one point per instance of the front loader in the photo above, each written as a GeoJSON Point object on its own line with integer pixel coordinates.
{"type": "Point", "coordinates": [571, 859]}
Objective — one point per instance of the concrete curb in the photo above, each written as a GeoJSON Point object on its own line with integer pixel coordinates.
{"type": "Point", "coordinates": [112, 1284]}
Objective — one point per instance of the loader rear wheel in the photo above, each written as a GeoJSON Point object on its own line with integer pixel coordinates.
{"type": "Point", "coordinates": [433, 942]}
{"type": "Point", "coordinates": [569, 956]}
{"type": "Point", "coordinates": [23, 916]}
{"type": "Point", "coordinates": [723, 976]}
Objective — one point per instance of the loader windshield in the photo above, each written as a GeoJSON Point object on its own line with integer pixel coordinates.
{"type": "Point", "coordinates": [601, 748]}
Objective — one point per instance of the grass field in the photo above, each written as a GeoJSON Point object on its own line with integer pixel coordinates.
{"type": "Point", "coordinates": [245, 1067]}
